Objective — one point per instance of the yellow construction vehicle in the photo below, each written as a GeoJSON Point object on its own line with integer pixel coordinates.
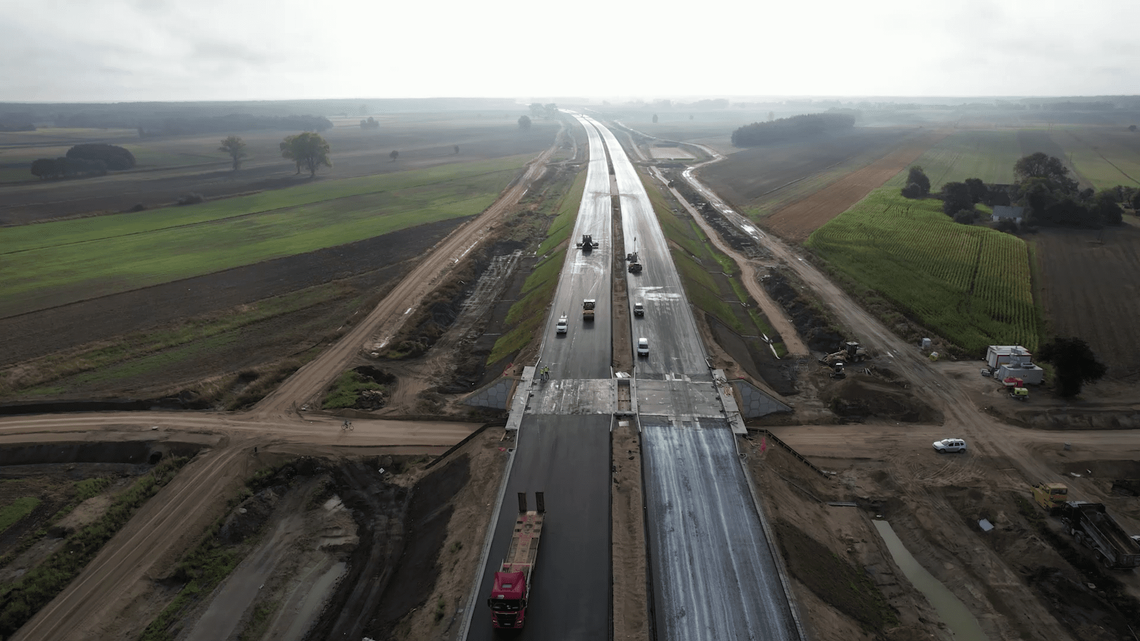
{"type": "Point", "coordinates": [1051, 496]}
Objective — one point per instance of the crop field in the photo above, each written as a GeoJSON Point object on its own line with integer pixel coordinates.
{"type": "Point", "coordinates": [1103, 157]}
{"type": "Point", "coordinates": [172, 166]}
{"type": "Point", "coordinates": [971, 285]}
{"type": "Point", "coordinates": [1082, 270]}
{"type": "Point", "coordinates": [761, 180]}
{"type": "Point", "coordinates": [988, 154]}
{"type": "Point", "coordinates": [56, 263]}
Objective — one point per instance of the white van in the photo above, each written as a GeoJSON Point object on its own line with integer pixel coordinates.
{"type": "Point", "coordinates": [643, 347]}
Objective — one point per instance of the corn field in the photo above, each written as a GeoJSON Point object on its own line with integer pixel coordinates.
{"type": "Point", "coordinates": [969, 284]}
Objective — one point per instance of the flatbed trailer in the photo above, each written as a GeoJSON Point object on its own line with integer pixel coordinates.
{"type": "Point", "coordinates": [511, 589]}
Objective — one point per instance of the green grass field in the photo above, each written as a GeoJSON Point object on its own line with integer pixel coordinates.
{"type": "Point", "coordinates": [970, 284]}
{"type": "Point", "coordinates": [988, 154]}
{"type": "Point", "coordinates": [1105, 157]}
{"type": "Point", "coordinates": [56, 262]}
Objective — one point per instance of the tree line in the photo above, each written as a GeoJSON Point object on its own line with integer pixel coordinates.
{"type": "Point", "coordinates": [1043, 188]}
{"type": "Point", "coordinates": [89, 159]}
{"type": "Point", "coordinates": [792, 128]}
{"type": "Point", "coordinates": [231, 122]}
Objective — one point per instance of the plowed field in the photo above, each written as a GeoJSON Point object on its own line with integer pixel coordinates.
{"type": "Point", "coordinates": [797, 221]}
{"type": "Point", "coordinates": [1088, 294]}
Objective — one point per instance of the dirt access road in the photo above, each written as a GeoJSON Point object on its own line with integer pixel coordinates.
{"type": "Point", "coordinates": [195, 497]}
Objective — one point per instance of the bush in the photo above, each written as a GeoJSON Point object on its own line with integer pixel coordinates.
{"type": "Point", "coordinates": [1006, 225]}
{"type": "Point", "coordinates": [191, 199]}
{"type": "Point", "coordinates": [966, 216]}
{"type": "Point", "coordinates": [913, 191]}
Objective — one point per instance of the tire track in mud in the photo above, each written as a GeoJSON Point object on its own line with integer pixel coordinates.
{"type": "Point", "coordinates": [134, 550]}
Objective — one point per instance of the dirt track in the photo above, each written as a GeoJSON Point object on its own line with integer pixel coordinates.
{"type": "Point", "coordinates": [194, 498]}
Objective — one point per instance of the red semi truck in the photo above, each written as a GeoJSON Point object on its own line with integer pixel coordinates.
{"type": "Point", "coordinates": [512, 581]}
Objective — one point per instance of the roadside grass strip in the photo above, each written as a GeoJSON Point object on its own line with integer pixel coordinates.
{"type": "Point", "coordinates": [529, 311]}
{"type": "Point", "coordinates": [12, 513]}
{"type": "Point", "coordinates": [567, 213]}
{"type": "Point", "coordinates": [41, 584]}
{"type": "Point", "coordinates": [84, 490]}
{"type": "Point", "coordinates": [58, 262]}
{"type": "Point", "coordinates": [694, 260]}
{"type": "Point", "coordinates": [972, 285]}
{"type": "Point", "coordinates": [986, 154]}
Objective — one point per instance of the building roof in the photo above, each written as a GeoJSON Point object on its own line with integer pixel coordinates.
{"type": "Point", "coordinates": [1003, 211]}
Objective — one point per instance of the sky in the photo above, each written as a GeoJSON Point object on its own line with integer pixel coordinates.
{"type": "Point", "coordinates": [170, 50]}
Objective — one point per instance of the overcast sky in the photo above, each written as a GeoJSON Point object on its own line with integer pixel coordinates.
{"type": "Point", "coordinates": [127, 50]}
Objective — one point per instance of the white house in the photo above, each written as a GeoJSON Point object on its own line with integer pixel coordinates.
{"type": "Point", "coordinates": [1002, 212]}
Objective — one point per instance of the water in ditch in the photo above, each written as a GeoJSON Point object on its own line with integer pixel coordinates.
{"type": "Point", "coordinates": [951, 611]}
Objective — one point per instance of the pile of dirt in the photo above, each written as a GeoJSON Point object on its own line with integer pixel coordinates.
{"type": "Point", "coordinates": [817, 330]}
{"type": "Point", "coordinates": [401, 531]}
{"type": "Point", "coordinates": [862, 396]}
{"type": "Point", "coordinates": [248, 517]}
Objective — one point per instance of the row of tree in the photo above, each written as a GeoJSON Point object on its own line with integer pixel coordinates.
{"type": "Point", "coordinates": [793, 128]}
{"type": "Point", "coordinates": [1043, 188]}
{"type": "Point", "coordinates": [85, 160]}
{"type": "Point", "coordinates": [231, 122]}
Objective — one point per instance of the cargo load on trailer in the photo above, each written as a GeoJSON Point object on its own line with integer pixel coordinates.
{"type": "Point", "coordinates": [1092, 526]}
{"type": "Point", "coordinates": [511, 588]}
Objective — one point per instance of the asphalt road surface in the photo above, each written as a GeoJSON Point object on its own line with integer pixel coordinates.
{"type": "Point", "coordinates": [713, 572]}
{"type": "Point", "coordinates": [568, 458]}
{"type": "Point", "coordinates": [584, 350]}
{"type": "Point", "coordinates": [675, 346]}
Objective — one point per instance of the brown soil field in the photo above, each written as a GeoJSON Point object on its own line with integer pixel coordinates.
{"type": "Point", "coordinates": [797, 221]}
{"type": "Point", "coordinates": [1088, 293]}
{"type": "Point", "coordinates": [750, 174]}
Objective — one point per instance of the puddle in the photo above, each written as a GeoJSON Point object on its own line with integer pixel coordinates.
{"type": "Point", "coordinates": [961, 623]}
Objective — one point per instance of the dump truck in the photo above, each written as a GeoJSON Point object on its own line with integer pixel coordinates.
{"type": "Point", "coordinates": [1092, 526]}
{"type": "Point", "coordinates": [1051, 496]}
{"type": "Point", "coordinates": [511, 587]}
{"type": "Point", "coordinates": [587, 244]}
{"type": "Point", "coordinates": [588, 309]}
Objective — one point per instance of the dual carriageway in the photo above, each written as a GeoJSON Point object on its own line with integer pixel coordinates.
{"type": "Point", "coordinates": [711, 566]}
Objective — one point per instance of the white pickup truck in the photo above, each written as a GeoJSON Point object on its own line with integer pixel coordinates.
{"type": "Point", "coordinates": [563, 324]}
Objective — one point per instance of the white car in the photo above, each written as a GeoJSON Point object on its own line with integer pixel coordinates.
{"type": "Point", "coordinates": [563, 324]}
{"type": "Point", "coordinates": [643, 347]}
{"type": "Point", "coordinates": [950, 445]}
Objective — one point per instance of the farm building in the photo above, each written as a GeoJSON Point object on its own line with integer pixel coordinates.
{"type": "Point", "coordinates": [1015, 361]}
{"type": "Point", "coordinates": [1004, 212]}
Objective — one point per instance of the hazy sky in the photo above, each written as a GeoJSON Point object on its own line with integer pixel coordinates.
{"type": "Point", "coordinates": [126, 50]}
